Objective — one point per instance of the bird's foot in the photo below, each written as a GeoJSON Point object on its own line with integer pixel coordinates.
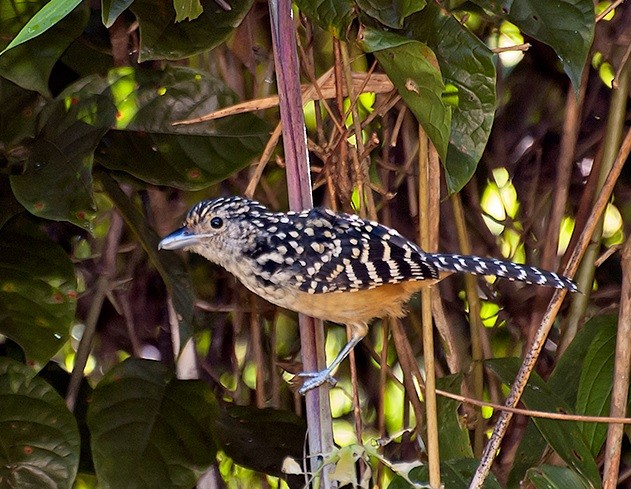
{"type": "Point", "coordinates": [316, 379]}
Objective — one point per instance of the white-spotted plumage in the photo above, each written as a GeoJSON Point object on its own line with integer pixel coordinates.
{"type": "Point", "coordinates": [306, 261]}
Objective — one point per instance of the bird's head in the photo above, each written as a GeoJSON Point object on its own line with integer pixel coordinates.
{"type": "Point", "coordinates": [216, 229]}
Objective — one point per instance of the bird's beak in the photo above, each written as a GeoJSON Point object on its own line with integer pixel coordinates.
{"type": "Point", "coordinates": [182, 238]}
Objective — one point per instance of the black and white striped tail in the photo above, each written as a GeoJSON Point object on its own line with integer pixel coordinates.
{"type": "Point", "coordinates": [499, 268]}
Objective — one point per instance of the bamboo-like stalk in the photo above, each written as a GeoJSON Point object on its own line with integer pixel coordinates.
{"type": "Point", "coordinates": [318, 408]}
{"type": "Point", "coordinates": [425, 227]}
{"type": "Point", "coordinates": [476, 327]}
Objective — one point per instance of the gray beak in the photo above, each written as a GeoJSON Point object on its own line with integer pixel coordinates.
{"type": "Point", "coordinates": [182, 238]}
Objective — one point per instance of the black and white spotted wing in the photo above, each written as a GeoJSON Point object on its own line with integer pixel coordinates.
{"type": "Point", "coordinates": [341, 252]}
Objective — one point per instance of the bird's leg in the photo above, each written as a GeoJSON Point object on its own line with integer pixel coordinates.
{"type": "Point", "coordinates": [316, 379]}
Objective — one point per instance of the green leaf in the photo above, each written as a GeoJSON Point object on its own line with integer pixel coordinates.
{"type": "Point", "coordinates": [168, 264]}
{"type": "Point", "coordinates": [149, 429]}
{"type": "Point", "coordinates": [31, 61]}
{"type": "Point", "coordinates": [49, 15]}
{"type": "Point", "coordinates": [39, 439]}
{"type": "Point", "coordinates": [564, 437]}
{"type": "Point", "coordinates": [18, 112]}
{"type": "Point", "coordinates": [261, 438]}
{"type": "Point", "coordinates": [111, 9]}
{"type": "Point", "coordinates": [38, 295]}
{"type": "Point", "coordinates": [469, 73]}
{"type": "Point", "coordinates": [564, 380]}
{"type": "Point", "coordinates": [554, 477]}
{"type": "Point", "coordinates": [564, 383]}
{"type": "Point", "coordinates": [57, 180]}
{"type": "Point", "coordinates": [455, 474]}
{"type": "Point", "coordinates": [334, 16]}
{"type": "Point", "coordinates": [187, 9]}
{"type": "Point", "coordinates": [596, 382]}
{"type": "Point", "coordinates": [183, 156]}
{"type": "Point", "coordinates": [529, 454]}
{"type": "Point", "coordinates": [565, 25]}
{"type": "Point", "coordinates": [413, 69]}
{"type": "Point", "coordinates": [391, 13]}
{"type": "Point", "coordinates": [162, 38]}
{"type": "Point", "coordinates": [453, 436]}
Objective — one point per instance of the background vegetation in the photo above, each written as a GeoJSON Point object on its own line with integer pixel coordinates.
{"type": "Point", "coordinates": [525, 104]}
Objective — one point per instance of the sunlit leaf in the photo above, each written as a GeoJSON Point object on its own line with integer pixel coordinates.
{"type": "Point", "coordinates": [30, 62]}
{"type": "Point", "coordinates": [467, 65]}
{"type": "Point", "coordinates": [413, 69]}
{"type": "Point", "coordinates": [187, 9]}
{"type": "Point", "coordinates": [49, 15]}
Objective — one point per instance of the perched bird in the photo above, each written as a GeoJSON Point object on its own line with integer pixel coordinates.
{"type": "Point", "coordinates": [336, 267]}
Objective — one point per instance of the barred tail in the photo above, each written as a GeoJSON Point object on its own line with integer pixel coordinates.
{"type": "Point", "coordinates": [504, 269]}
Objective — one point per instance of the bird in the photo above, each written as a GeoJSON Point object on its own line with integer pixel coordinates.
{"type": "Point", "coordinates": [333, 266]}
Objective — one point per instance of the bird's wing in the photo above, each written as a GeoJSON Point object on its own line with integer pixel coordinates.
{"type": "Point", "coordinates": [340, 252]}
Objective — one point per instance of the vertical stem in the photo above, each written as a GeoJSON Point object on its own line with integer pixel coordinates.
{"type": "Point", "coordinates": [475, 323]}
{"type": "Point", "coordinates": [426, 317]}
{"type": "Point", "coordinates": [318, 408]}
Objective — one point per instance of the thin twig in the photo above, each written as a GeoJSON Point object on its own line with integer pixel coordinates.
{"type": "Point", "coordinates": [535, 414]}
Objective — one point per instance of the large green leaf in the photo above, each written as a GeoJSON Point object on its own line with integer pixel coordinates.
{"type": "Point", "coordinates": [334, 16]}
{"type": "Point", "coordinates": [564, 437]}
{"type": "Point", "coordinates": [453, 436]}
{"type": "Point", "coordinates": [413, 69]}
{"type": "Point", "coordinates": [162, 38]}
{"type": "Point", "coordinates": [261, 439]}
{"type": "Point", "coordinates": [468, 70]}
{"type": "Point", "coordinates": [391, 13]}
{"type": "Point", "coordinates": [148, 102]}
{"type": "Point", "coordinates": [596, 383]}
{"type": "Point", "coordinates": [39, 439]}
{"type": "Point", "coordinates": [18, 112]}
{"type": "Point", "coordinates": [37, 290]}
{"type": "Point", "coordinates": [564, 383]}
{"type": "Point", "coordinates": [565, 25]}
{"type": "Point", "coordinates": [57, 179]}
{"type": "Point", "coordinates": [149, 429]}
{"type": "Point", "coordinates": [29, 61]}
{"type": "Point", "coordinates": [553, 477]}
{"type": "Point", "coordinates": [49, 15]}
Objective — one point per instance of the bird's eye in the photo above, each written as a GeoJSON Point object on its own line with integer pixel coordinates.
{"type": "Point", "coordinates": [216, 222]}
